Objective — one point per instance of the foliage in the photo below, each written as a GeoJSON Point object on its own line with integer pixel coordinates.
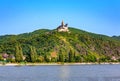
{"type": "Point", "coordinates": [73, 46]}
{"type": "Point", "coordinates": [18, 53]}
{"type": "Point", "coordinates": [33, 54]}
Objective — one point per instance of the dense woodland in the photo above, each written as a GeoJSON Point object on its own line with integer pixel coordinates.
{"type": "Point", "coordinates": [51, 46]}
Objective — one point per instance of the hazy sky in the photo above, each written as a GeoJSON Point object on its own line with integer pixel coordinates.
{"type": "Point", "coordinates": [97, 16]}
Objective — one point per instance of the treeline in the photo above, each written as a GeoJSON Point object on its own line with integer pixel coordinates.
{"type": "Point", "coordinates": [52, 46]}
{"type": "Point", "coordinates": [32, 56]}
{"type": "Point", "coordinates": [62, 56]}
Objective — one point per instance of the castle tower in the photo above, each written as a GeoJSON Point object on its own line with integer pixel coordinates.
{"type": "Point", "coordinates": [62, 27]}
{"type": "Point", "coordinates": [62, 23]}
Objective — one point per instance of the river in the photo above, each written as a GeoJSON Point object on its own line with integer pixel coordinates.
{"type": "Point", "coordinates": [60, 73]}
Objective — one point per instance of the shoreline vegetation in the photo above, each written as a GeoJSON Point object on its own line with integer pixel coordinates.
{"type": "Point", "coordinates": [50, 47]}
{"type": "Point", "coordinates": [59, 63]}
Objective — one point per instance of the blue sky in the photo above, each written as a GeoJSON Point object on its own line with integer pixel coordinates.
{"type": "Point", "coordinates": [97, 16]}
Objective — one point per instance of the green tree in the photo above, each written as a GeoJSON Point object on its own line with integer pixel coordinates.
{"type": "Point", "coordinates": [47, 57]}
{"type": "Point", "coordinates": [0, 50]}
{"type": "Point", "coordinates": [77, 58]}
{"type": "Point", "coordinates": [1, 58]}
{"type": "Point", "coordinates": [33, 54]}
{"type": "Point", "coordinates": [71, 56]}
{"type": "Point", "coordinates": [18, 53]}
{"type": "Point", "coordinates": [40, 59]}
{"type": "Point", "coordinates": [61, 56]}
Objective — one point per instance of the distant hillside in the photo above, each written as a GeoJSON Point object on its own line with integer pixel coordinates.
{"type": "Point", "coordinates": [51, 46]}
{"type": "Point", "coordinates": [116, 37]}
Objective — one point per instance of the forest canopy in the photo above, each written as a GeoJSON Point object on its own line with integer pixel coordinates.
{"type": "Point", "coordinates": [51, 46]}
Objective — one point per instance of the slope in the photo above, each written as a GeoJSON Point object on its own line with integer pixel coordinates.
{"type": "Point", "coordinates": [74, 46]}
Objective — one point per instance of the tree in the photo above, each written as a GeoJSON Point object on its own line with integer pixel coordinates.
{"type": "Point", "coordinates": [18, 53]}
{"type": "Point", "coordinates": [33, 54]}
{"type": "Point", "coordinates": [1, 58]}
{"type": "Point", "coordinates": [71, 56]}
{"type": "Point", "coordinates": [47, 57]}
{"type": "Point", "coordinates": [0, 50]}
{"type": "Point", "coordinates": [61, 56]}
{"type": "Point", "coordinates": [40, 59]}
{"type": "Point", "coordinates": [77, 58]}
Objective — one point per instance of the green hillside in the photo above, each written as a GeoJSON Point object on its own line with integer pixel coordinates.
{"type": "Point", "coordinates": [51, 46]}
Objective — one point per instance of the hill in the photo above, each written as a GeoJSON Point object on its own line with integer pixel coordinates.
{"type": "Point", "coordinates": [51, 46]}
{"type": "Point", "coordinates": [116, 37]}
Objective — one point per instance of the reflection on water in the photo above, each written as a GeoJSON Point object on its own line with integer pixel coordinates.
{"type": "Point", "coordinates": [64, 73]}
{"type": "Point", "coordinates": [61, 73]}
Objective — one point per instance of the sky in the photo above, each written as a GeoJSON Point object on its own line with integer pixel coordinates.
{"type": "Point", "coordinates": [96, 16]}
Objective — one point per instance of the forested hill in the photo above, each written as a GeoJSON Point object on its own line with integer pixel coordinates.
{"type": "Point", "coordinates": [51, 46]}
{"type": "Point", "coordinates": [116, 37]}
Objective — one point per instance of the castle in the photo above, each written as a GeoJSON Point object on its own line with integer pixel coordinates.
{"type": "Point", "coordinates": [62, 27]}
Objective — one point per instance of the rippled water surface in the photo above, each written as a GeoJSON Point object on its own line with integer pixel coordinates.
{"type": "Point", "coordinates": [61, 73]}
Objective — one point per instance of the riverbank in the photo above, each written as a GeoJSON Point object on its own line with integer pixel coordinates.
{"type": "Point", "coordinates": [38, 64]}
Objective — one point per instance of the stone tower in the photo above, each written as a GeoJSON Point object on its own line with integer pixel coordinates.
{"type": "Point", "coordinates": [62, 23]}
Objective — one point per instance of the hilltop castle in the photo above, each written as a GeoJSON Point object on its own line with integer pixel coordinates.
{"type": "Point", "coordinates": [62, 27]}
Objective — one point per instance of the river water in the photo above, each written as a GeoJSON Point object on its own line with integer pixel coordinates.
{"type": "Point", "coordinates": [60, 73]}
